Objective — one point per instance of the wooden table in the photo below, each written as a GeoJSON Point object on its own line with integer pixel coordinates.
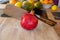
{"type": "Point", "coordinates": [50, 16]}
{"type": "Point", "coordinates": [10, 29]}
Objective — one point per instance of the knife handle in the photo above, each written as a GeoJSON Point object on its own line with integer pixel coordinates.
{"type": "Point", "coordinates": [48, 21]}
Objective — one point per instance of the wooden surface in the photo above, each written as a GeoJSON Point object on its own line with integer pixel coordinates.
{"type": "Point", "coordinates": [10, 29]}
{"type": "Point", "coordinates": [50, 16]}
{"type": "Point", "coordinates": [14, 11]}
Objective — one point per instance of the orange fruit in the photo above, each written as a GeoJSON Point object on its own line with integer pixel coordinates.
{"type": "Point", "coordinates": [45, 2]}
{"type": "Point", "coordinates": [13, 2]}
{"type": "Point", "coordinates": [50, 2]}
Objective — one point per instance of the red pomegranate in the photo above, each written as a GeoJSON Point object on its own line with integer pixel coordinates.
{"type": "Point", "coordinates": [29, 21]}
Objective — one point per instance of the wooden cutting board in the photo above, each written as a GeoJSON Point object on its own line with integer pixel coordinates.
{"type": "Point", "coordinates": [10, 29]}
{"type": "Point", "coordinates": [14, 11]}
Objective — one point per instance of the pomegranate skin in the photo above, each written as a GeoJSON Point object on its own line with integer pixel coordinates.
{"type": "Point", "coordinates": [28, 21]}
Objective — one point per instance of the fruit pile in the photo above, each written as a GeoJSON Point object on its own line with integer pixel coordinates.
{"type": "Point", "coordinates": [27, 5]}
{"type": "Point", "coordinates": [30, 4]}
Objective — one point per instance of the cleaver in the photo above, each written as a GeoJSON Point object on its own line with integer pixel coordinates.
{"type": "Point", "coordinates": [15, 12]}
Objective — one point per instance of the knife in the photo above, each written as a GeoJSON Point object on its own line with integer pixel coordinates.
{"type": "Point", "coordinates": [45, 20]}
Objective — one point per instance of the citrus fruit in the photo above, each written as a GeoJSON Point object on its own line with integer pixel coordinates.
{"type": "Point", "coordinates": [31, 1]}
{"type": "Point", "coordinates": [18, 4]}
{"type": "Point", "coordinates": [27, 6]}
{"type": "Point", "coordinates": [13, 2]}
{"type": "Point", "coordinates": [38, 5]}
{"type": "Point", "coordinates": [22, 0]}
{"type": "Point", "coordinates": [41, 1]}
{"type": "Point", "coordinates": [54, 7]}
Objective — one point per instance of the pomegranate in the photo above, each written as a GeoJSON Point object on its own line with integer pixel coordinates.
{"type": "Point", "coordinates": [28, 21]}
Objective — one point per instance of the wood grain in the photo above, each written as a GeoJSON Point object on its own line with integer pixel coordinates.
{"type": "Point", "coordinates": [12, 30]}
{"type": "Point", "coordinates": [50, 16]}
